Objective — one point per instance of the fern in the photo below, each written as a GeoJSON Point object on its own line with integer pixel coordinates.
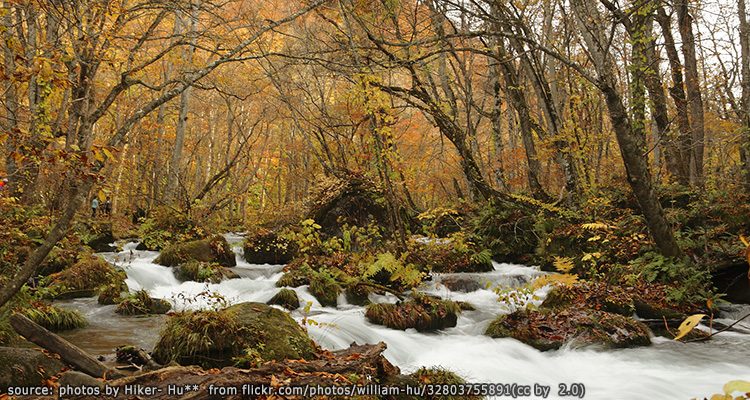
{"type": "Point", "coordinates": [563, 264]}
{"type": "Point", "coordinates": [595, 226]}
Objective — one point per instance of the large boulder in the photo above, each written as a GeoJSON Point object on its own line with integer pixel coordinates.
{"type": "Point", "coordinates": [26, 367]}
{"type": "Point", "coordinates": [84, 278]}
{"type": "Point", "coordinates": [346, 198]}
{"type": "Point", "coordinates": [214, 249]}
{"type": "Point", "coordinates": [217, 338]}
{"type": "Point", "coordinates": [549, 329]}
{"type": "Point", "coordinates": [422, 312]}
{"type": "Point", "coordinates": [267, 247]}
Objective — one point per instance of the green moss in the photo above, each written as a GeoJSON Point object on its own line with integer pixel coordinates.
{"type": "Point", "coordinates": [422, 312]}
{"type": "Point", "coordinates": [112, 293]}
{"type": "Point", "coordinates": [219, 338]}
{"type": "Point", "coordinates": [286, 298]}
{"type": "Point", "coordinates": [325, 288]}
{"type": "Point", "coordinates": [84, 278]}
{"type": "Point", "coordinates": [215, 249]}
{"type": "Point", "coordinates": [293, 278]}
{"type": "Point", "coordinates": [199, 271]}
{"type": "Point", "coordinates": [140, 303]}
{"type": "Point", "coordinates": [55, 318]}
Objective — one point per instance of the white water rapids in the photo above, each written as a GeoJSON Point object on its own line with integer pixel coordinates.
{"type": "Point", "coordinates": [665, 370]}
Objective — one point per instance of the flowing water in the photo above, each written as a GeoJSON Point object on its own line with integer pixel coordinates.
{"type": "Point", "coordinates": [665, 370]}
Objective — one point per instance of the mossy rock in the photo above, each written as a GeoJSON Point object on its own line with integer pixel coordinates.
{"type": "Point", "coordinates": [325, 288]}
{"type": "Point", "coordinates": [293, 278]}
{"type": "Point", "coordinates": [59, 259]}
{"type": "Point", "coordinates": [26, 367]}
{"type": "Point", "coordinates": [84, 278]}
{"type": "Point", "coordinates": [422, 312]}
{"type": "Point", "coordinates": [112, 293]}
{"type": "Point", "coordinates": [444, 257]}
{"type": "Point", "coordinates": [140, 303]}
{"type": "Point", "coordinates": [286, 298]}
{"type": "Point", "coordinates": [648, 310]}
{"type": "Point", "coordinates": [216, 338]}
{"type": "Point", "coordinates": [358, 294]}
{"type": "Point", "coordinates": [266, 247]}
{"type": "Point", "coordinates": [549, 329]}
{"type": "Point", "coordinates": [54, 318]}
{"type": "Point", "coordinates": [214, 249]}
{"type": "Point", "coordinates": [441, 376]}
{"type": "Point", "coordinates": [460, 284]}
{"type": "Point", "coordinates": [199, 271]}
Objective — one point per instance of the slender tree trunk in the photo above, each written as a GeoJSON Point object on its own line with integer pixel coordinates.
{"type": "Point", "coordinates": [629, 139]}
{"type": "Point", "coordinates": [684, 140]}
{"type": "Point", "coordinates": [745, 102]}
{"type": "Point", "coordinates": [692, 85]}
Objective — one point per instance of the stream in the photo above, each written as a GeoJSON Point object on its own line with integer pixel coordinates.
{"type": "Point", "coordinates": [664, 370]}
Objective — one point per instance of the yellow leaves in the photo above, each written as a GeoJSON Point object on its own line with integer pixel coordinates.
{"type": "Point", "coordinates": [688, 325]}
{"type": "Point", "coordinates": [595, 226]}
{"type": "Point", "coordinates": [101, 195]}
{"type": "Point", "coordinates": [563, 264]}
{"type": "Point", "coordinates": [555, 279]}
{"type": "Point", "coordinates": [591, 256]}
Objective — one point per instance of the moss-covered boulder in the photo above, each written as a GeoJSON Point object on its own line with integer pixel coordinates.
{"type": "Point", "coordinates": [140, 303]}
{"type": "Point", "coordinates": [54, 318]}
{"type": "Point", "coordinates": [26, 367]}
{"type": "Point", "coordinates": [60, 258]}
{"type": "Point", "coordinates": [358, 294]}
{"type": "Point", "coordinates": [455, 254]}
{"type": "Point", "coordinates": [267, 247]}
{"type": "Point", "coordinates": [325, 288]}
{"type": "Point", "coordinates": [286, 298]}
{"type": "Point", "coordinates": [294, 278]}
{"type": "Point", "coordinates": [112, 293]}
{"type": "Point", "coordinates": [214, 249]}
{"type": "Point", "coordinates": [84, 278]}
{"type": "Point", "coordinates": [217, 338]}
{"type": "Point", "coordinates": [422, 312]}
{"type": "Point", "coordinates": [549, 329]}
{"type": "Point", "coordinates": [199, 271]}
{"type": "Point", "coordinates": [348, 198]}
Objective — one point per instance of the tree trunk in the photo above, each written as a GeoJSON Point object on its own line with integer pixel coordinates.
{"type": "Point", "coordinates": [694, 98]}
{"type": "Point", "coordinates": [745, 102]}
{"type": "Point", "coordinates": [629, 140]}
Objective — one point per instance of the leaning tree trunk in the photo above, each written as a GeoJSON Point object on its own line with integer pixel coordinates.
{"type": "Point", "coordinates": [745, 110]}
{"type": "Point", "coordinates": [628, 138]}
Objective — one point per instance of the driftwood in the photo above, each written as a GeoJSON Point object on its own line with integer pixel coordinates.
{"type": "Point", "coordinates": [68, 352]}
{"type": "Point", "coordinates": [333, 368]}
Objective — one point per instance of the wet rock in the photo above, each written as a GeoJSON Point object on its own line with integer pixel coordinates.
{"type": "Point", "coordinates": [655, 311]}
{"type": "Point", "coordinates": [325, 288]}
{"type": "Point", "coordinates": [26, 367]}
{"type": "Point", "coordinates": [358, 294]}
{"type": "Point", "coordinates": [140, 303]}
{"type": "Point", "coordinates": [214, 249]}
{"type": "Point", "coordinates": [266, 247]}
{"type": "Point", "coordinates": [214, 338]}
{"type": "Point", "coordinates": [549, 329]}
{"type": "Point", "coordinates": [199, 271]}
{"type": "Point", "coordinates": [286, 298]}
{"type": "Point", "coordinates": [422, 312]}
{"type": "Point", "coordinates": [293, 278]}
{"type": "Point", "coordinates": [595, 295]}
{"type": "Point", "coordinates": [460, 284]}
{"type": "Point", "coordinates": [112, 293]}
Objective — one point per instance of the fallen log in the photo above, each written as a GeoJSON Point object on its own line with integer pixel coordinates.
{"type": "Point", "coordinates": [332, 369]}
{"type": "Point", "coordinates": [69, 353]}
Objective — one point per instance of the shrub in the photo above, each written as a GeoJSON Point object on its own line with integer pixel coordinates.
{"type": "Point", "coordinates": [54, 318]}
